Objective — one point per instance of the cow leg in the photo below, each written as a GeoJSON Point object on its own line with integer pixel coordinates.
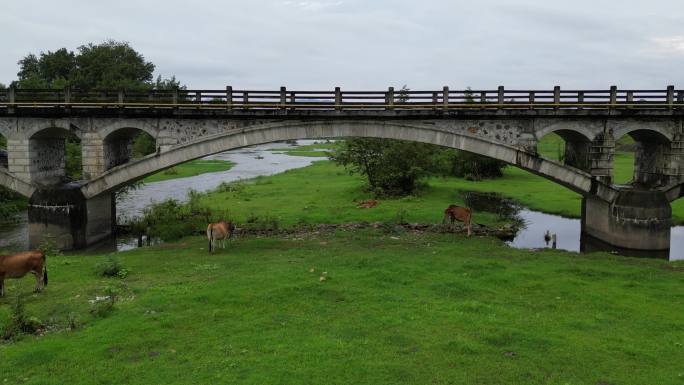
{"type": "Point", "coordinates": [40, 281]}
{"type": "Point", "coordinates": [35, 273]}
{"type": "Point", "coordinates": [2, 286]}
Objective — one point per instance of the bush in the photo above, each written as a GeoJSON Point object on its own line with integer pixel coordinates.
{"type": "Point", "coordinates": [392, 167]}
{"type": "Point", "coordinates": [49, 248]}
{"type": "Point", "coordinates": [111, 267]}
{"type": "Point", "coordinates": [233, 187]}
{"type": "Point", "coordinates": [19, 323]}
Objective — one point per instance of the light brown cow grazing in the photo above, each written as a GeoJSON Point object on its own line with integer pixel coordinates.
{"type": "Point", "coordinates": [219, 231]}
{"type": "Point", "coordinates": [17, 265]}
{"type": "Point", "coordinates": [463, 214]}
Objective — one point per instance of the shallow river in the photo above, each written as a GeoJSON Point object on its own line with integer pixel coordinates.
{"type": "Point", "coordinates": [258, 160]}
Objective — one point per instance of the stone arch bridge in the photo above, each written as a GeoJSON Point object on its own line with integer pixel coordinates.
{"type": "Point", "coordinates": [187, 125]}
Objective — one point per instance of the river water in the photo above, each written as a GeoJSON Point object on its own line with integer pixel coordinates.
{"type": "Point", "coordinates": [257, 161]}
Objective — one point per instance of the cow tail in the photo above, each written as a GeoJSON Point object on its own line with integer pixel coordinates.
{"type": "Point", "coordinates": [210, 234]}
{"type": "Point", "coordinates": [45, 276]}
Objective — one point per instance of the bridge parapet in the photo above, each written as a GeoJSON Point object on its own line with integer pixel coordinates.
{"type": "Point", "coordinates": [14, 100]}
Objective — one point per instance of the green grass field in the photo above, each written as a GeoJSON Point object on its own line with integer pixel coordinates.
{"type": "Point", "coordinates": [406, 309]}
{"type": "Point", "coordinates": [325, 193]}
{"type": "Point", "coordinates": [192, 168]}
{"type": "Point", "coordinates": [399, 308]}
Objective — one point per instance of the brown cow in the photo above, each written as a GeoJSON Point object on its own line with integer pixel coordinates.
{"type": "Point", "coordinates": [219, 231]}
{"type": "Point", "coordinates": [17, 265]}
{"type": "Point", "coordinates": [463, 214]}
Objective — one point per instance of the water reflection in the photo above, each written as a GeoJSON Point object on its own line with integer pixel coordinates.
{"type": "Point", "coordinates": [534, 224]}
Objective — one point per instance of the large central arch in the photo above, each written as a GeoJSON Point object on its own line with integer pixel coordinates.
{"type": "Point", "coordinates": [574, 179]}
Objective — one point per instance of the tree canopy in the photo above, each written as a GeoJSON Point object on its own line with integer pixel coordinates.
{"type": "Point", "coordinates": [109, 65]}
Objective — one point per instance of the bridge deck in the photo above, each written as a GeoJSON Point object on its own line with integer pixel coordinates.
{"type": "Point", "coordinates": [390, 102]}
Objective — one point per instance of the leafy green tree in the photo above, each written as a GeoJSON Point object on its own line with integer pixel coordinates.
{"type": "Point", "coordinates": [74, 157]}
{"type": "Point", "coordinates": [112, 65]}
{"type": "Point", "coordinates": [167, 84]}
{"type": "Point", "coordinates": [143, 144]}
{"type": "Point", "coordinates": [392, 167]}
{"type": "Point", "coordinates": [51, 70]}
{"type": "Point", "coordinates": [108, 65]}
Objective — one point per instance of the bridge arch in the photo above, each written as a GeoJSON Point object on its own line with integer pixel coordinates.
{"type": "Point", "coordinates": [646, 129]}
{"type": "Point", "coordinates": [576, 180]}
{"type": "Point", "coordinates": [47, 154]}
{"type": "Point", "coordinates": [569, 144]}
{"type": "Point", "coordinates": [119, 146]}
{"type": "Point", "coordinates": [124, 124]}
{"type": "Point", "coordinates": [574, 130]}
{"type": "Point", "coordinates": [649, 152]}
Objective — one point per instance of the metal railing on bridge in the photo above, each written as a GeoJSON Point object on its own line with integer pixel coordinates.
{"type": "Point", "coordinates": [15, 99]}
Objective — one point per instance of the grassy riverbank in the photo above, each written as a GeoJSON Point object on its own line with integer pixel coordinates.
{"type": "Point", "coordinates": [531, 190]}
{"type": "Point", "coordinates": [318, 149]}
{"type": "Point", "coordinates": [192, 168]}
{"type": "Point", "coordinates": [412, 308]}
{"type": "Point", "coordinates": [325, 193]}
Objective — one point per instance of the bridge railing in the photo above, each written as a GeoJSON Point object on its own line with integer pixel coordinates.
{"type": "Point", "coordinates": [13, 99]}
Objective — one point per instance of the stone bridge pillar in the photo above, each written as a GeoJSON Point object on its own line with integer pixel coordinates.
{"type": "Point", "coordinates": [92, 150]}
{"type": "Point", "coordinates": [669, 161]}
{"type": "Point", "coordinates": [601, 151]}
{"type": "Point", "coordinates": [62, 216]}
{"type": "Point", "coordinates": [635, 219]}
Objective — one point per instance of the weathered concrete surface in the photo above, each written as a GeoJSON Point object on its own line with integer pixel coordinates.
{"type": "Point", "coordinates": [63, 217]}
{"type": "Point", "coordinates": [15, 184]}
{"type": "Point", "coordinates": [574, 179]}
{"type": "Point", "coordinates": [635, 219]}
{"type": "Point", "coordinates": [34, 147]}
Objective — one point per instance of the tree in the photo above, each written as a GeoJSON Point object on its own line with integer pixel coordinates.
{"type": "Point", "coordinates": [392, 167]}
{"type": "Point", "coordinates": [112, 65]}
{"type": "Point", "coordinates": [143, 144]}
{"type": "Point", "coordinates": [108, 65]}
{"type": "Point", "coordinates": [167, 84]}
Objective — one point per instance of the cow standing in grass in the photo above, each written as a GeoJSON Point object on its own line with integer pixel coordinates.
{"type": "Point", "coordinates": [463, 214]}
{"type": "Point", "coordinates": [17, 265]}
{"type": "Point", "coordinates": [219, 231]}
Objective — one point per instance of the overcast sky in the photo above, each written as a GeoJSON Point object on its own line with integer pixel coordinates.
{"type": "Point", "coordinates": [369, 44]}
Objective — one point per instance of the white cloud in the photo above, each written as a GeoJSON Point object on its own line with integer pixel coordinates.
{"type": "Point", "coordinates": [670, 44]}
{"type": "Point", "coordinates": [313, 5]}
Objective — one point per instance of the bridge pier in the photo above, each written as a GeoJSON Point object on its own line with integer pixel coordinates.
{"type": "Point", "coordinates": [63, 216]}
{"type": "Point", "coordinates": [636, 219]}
